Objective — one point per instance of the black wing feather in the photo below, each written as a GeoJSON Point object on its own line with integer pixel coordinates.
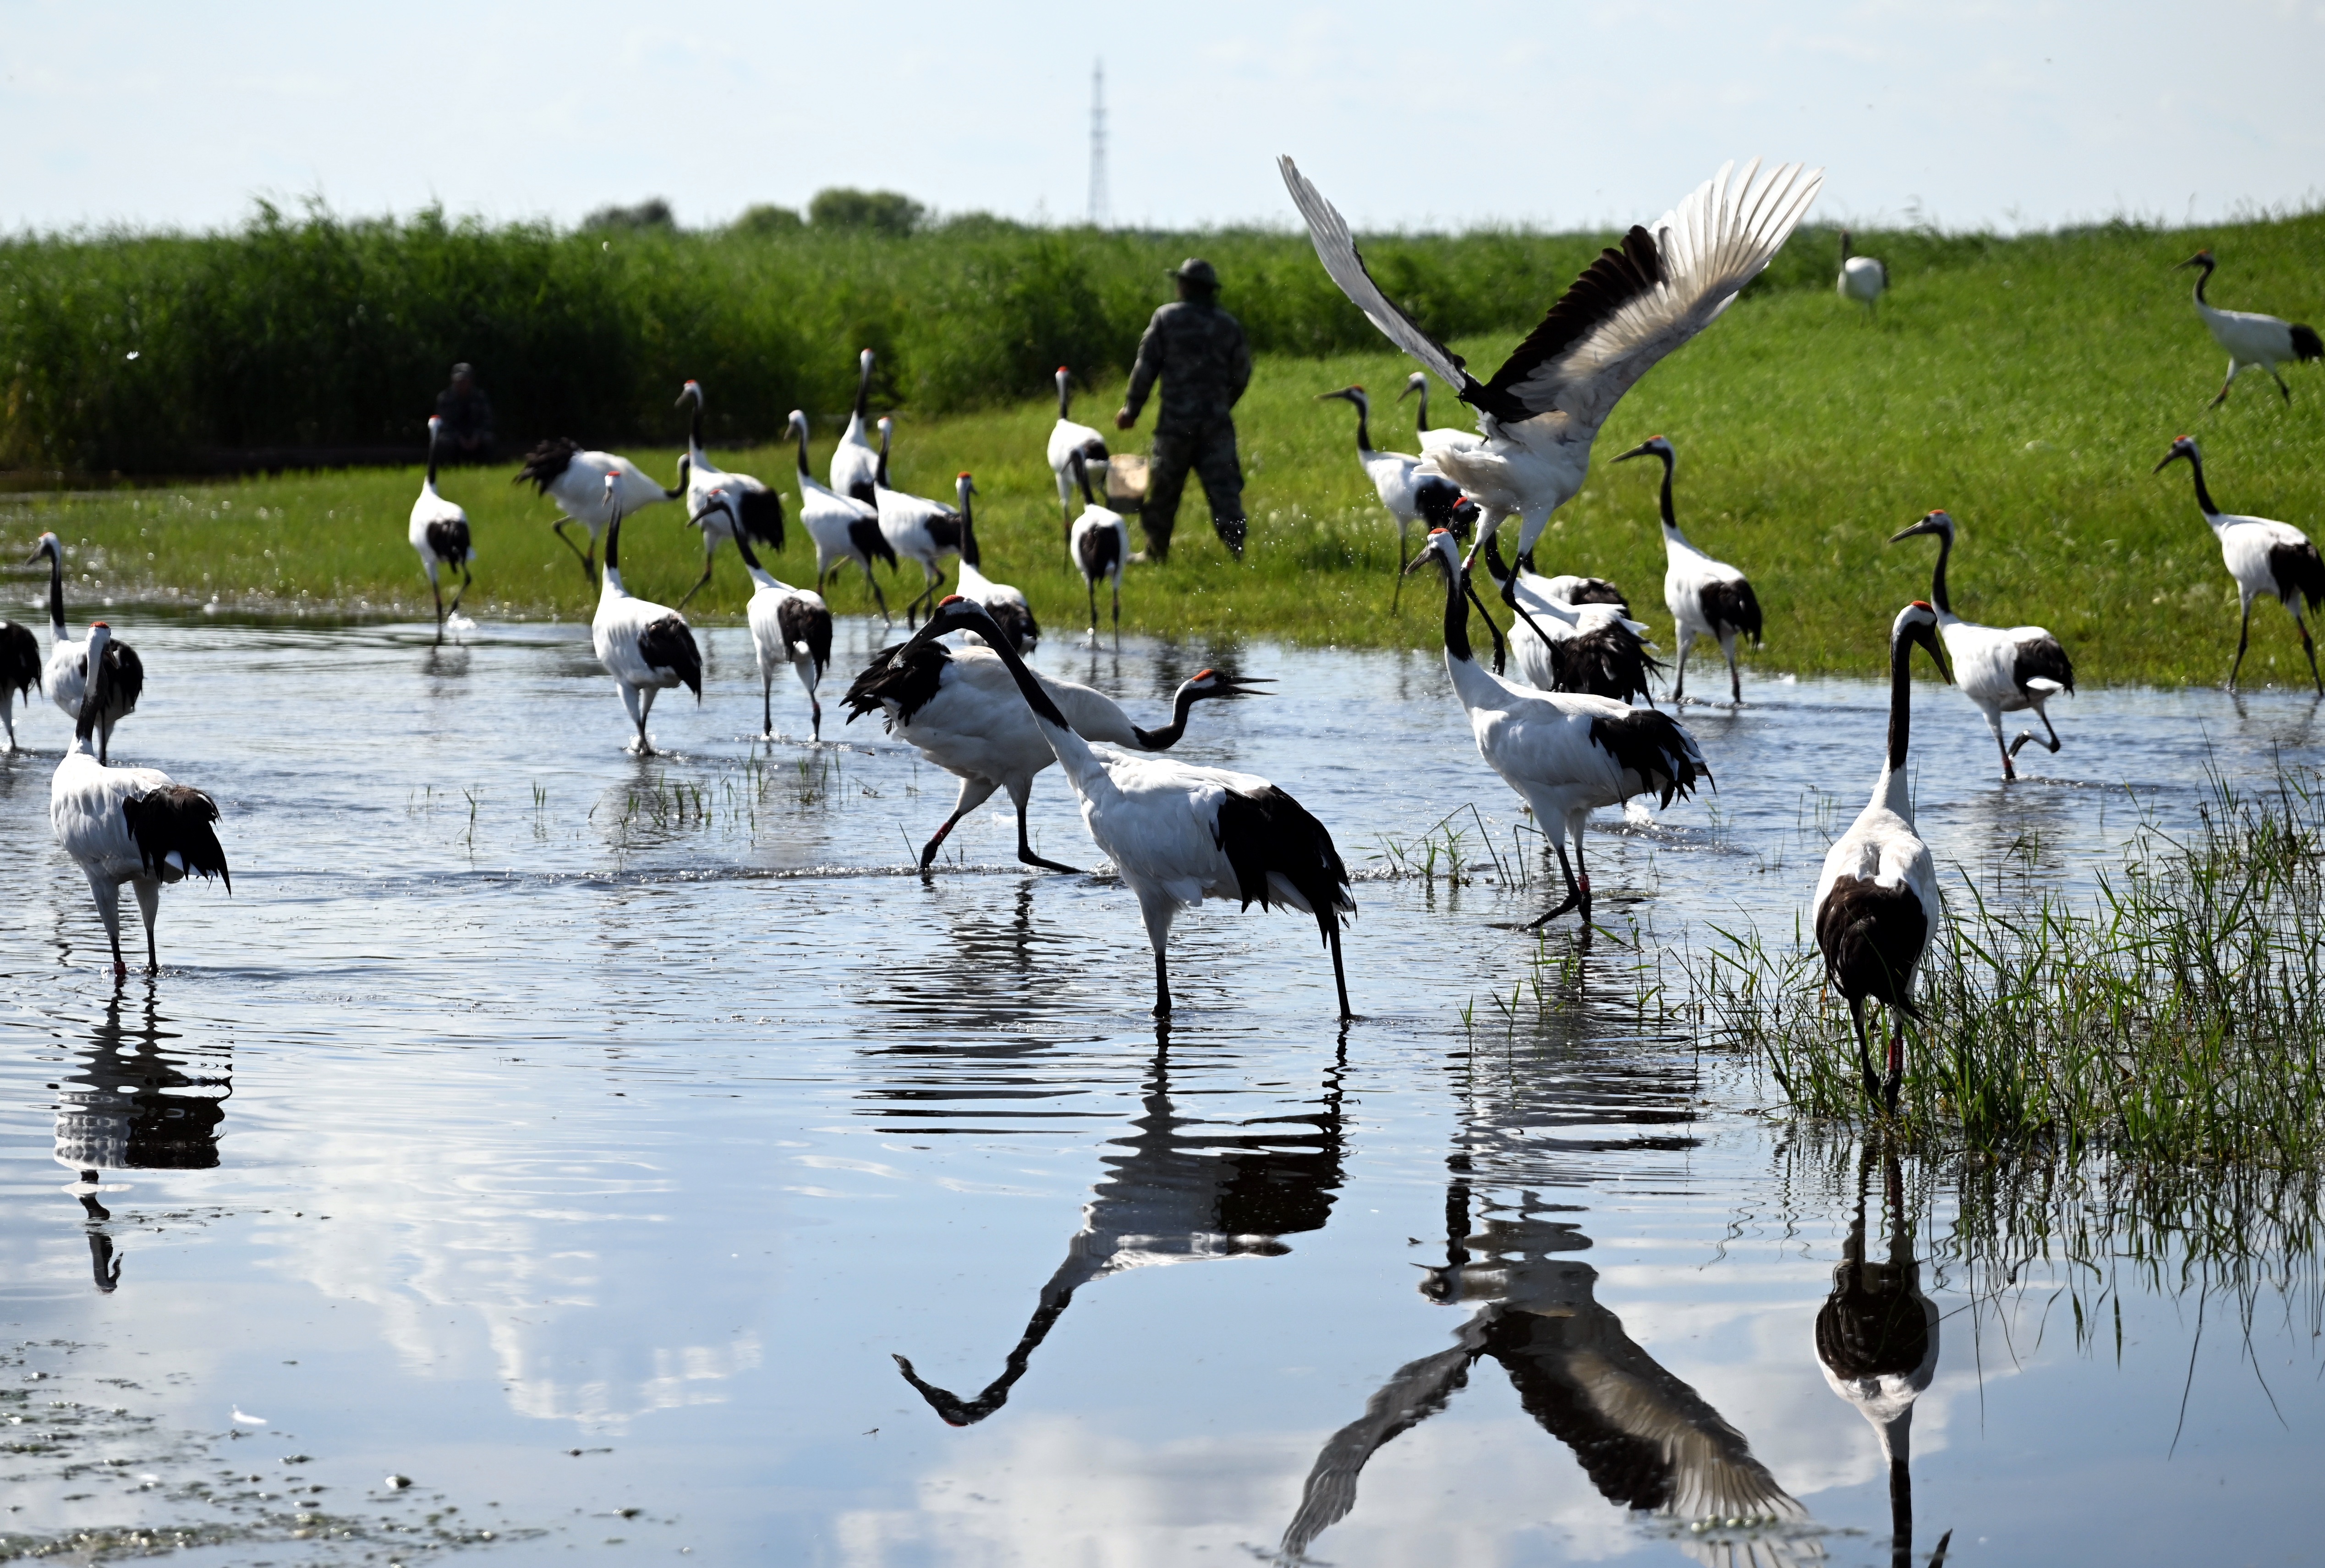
{"type": "Point", "coordinates": [870, 543]}
{"type": "Point", "coordinates": [908, 674]}
{"type": "Point", "coordinates": [1607, 284]}
{"type": "Point", "coordinates": [176, 819]}
{"type": "Point", "coordinates": [806, 624]}
{"type": "Point", "coordinates": [125, 679]}
{"type": "Point", "coordinates": [1654, 746]}
{"type": "Point", "coordinates": [1269, 831]}
{"type": "Point", "coordinates": [1872, 937]}
{"type": "Point", "coordinates": [2298, 570]}
{"type": "Point", "coordinates": [1101, 548]}
{"type": "Point", "coordinates": [1605, 662]}
{"type": "Point", "coordinates": [547, 463]}
{"type": "Point", "coordinates": [2306, 344]}
{"type": "Point", "coordinates": [20, 657]}
{"type": "Point", "coordinates": [761, 514]}
{"type": "Point", "coordinates": [2042, 659]}
{"type": "Point", "coordinates": [448, 539]}
{"type": "Point", "coordinates": [668, 643]}
{"type": "Point", "coordinates": [1733, 604]}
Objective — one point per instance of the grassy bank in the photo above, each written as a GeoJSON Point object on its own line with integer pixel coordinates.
{"type": "Point", "coordinates": [2174, 1017]}
{"type": "Point", "coordinates": [2027, 385]}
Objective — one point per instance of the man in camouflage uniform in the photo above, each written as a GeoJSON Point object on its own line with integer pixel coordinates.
{"type": "Point", "coordinates": [1198, 351]}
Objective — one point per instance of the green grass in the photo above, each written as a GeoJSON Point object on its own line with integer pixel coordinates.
{"type": "Point", "coordinates": [2177, 1016]}
{"type": "Point", "coordinates": [2026, 386]}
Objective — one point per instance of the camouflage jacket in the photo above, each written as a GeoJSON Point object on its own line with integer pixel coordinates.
{"type": "Point", "coordinates": [1198, 351]}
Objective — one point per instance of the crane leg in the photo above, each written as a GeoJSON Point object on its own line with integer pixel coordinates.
{"type": "Point", "coordinates": [1091, 583]}
{"type": "Point", "coordinates": [1340, 971]}
{"type": "Point", "coordinates": [437, 591]}
{"type": "Point", "coordinates": [2243, 636]}
{"type": "Point", "coordinates": [2026, 735]}
{"type": "Point", "coordinates": [767, 704]}
{"type": "Point", "coordinates": [1576, 892]}
{"type": "Point", "coordinates": [1994, 722]}
{"type": "Point", "coordinates": [149, 909]}
{"type": "Point", "coordinates": [2309, 646]}
{"type": "Point", "coordinates": [107, 895]}
{"type": "Point", "coordinates": [698, 582]}
{"type": "Point", "coordinates": [2231, 381]}
{"type": "Point", "coordinates": [1864, 1048]}
{"type": "Point", "coordinates": [1396, 595]}
{"type": "Point", "coordinates": [1162, 986]}
{"type": "Point", "coordinates": [588, 558]}
{"type": "Point", "coordinates": [1499, 647]}
{"type": "Point", "coordinates": [104, 722]}
{"type": "Point", "coordinates": [2281, 387]}
{"type": "Point", "coordinates": [1679, 677]}
{"type": "Point", "coordinates": [878, 598]}
{"type": "Point", "coordinates": [1025, 848]}
{"type": "Point", "coordinates": [974, 792]}
{"type": "Point", "coordinates": [1889, 1085]}
{"type": "Point", "coordinates": [1117, 611]}
{"type": "Point", "coordinates": [462, 591]}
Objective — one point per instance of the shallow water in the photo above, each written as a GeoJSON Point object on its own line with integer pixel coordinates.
{"type": "Point", "coordinates": [574, 1134]}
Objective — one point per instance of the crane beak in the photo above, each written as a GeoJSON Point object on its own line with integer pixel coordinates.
{"type": "Point", "coordinates": [717, 504]}
{"type": "Point", "coordinates": [1645, 449]}
{"type": "Point", "coordinates": [1923, 526]}
{"type": "Point", "coordinates": [2170, 458]}
{"type": "Point", "coordinates": [1429, 552]}
{"type": "Point", "coordinates": [1238, 686]}
{"type": "Point", "coordinates": [1928, 637]}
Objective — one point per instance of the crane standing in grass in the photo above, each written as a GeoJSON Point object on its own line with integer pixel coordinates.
{"type": "Point", "coordinates": [1392, 476]}
{"type": "Point", "coordinates": [843, 528]}
{"type": "Point", "coordinates": [2251, 338]}
{"type": "Point", "coordinates": [1099, 545]}
{"type": "Point", "coordinates": [1068, 440]}
{"type": "Point", "coordinates": [1877, 899]}
{"type": "Point", "coordinates": [1706, 598]}
{"type": "Point", "coordinates": [577, 479]}
{"type": "Point", "coordinates": [1862, 278]}
{"type": "Point", "coordinates": [2268, 559]}
{"type": "Point", "coordinates": [750, 505]}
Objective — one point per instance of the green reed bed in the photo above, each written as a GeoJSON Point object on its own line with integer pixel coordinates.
{"type": "Point", "coordinates": [2176, 1015]}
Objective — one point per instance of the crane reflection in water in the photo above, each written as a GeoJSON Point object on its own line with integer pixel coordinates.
{"type": "Point", "coordinates": [1181, 1190]}
{"type": "Point", "coordinates": [133, 1102]}
{"type": "Point", "coordinates": [1876, 1338]}
{"type": "Point", "coordinates": [1646, 1439]}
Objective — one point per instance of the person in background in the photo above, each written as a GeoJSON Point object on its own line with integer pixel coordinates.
{"type": "Point", "coordinates": [466, 435]}
{"type": "Point", "coordinates": [1200, 352]}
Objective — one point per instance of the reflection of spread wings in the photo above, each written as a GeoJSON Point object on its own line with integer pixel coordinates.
{"type": "Point", "coordinates": [1418, 1390]}
{"type": "Point", "coordinates": [1630, 307]}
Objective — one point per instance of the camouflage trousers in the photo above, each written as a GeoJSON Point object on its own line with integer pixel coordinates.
{"type": "Point", "coordinates": [1211, 452]}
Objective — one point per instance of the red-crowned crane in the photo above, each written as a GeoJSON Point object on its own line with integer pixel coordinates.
{"type": "Point", "coordinates": [1706, 598]}
{"type": "Point", "coordinates": [1178, 834]}
{"type": "Point", "coordinates": [789, 626]}
{"type": "Point", "coordinates": [440, 533]}
{"type": "Point", "coordinates": [1004, 603]}
{"type": "Point", "coordinates": [1862, 278]}
{"type": "Point", "coordinates": [1068, 439]}
{"type": "Point", "coordinates": [1631, 307]}
{"type": "Point", "coordinates": [1392, 475]}
{"type": "Point", "coordinates": [917, 528]}
{"type": "Point", "coordinates": [647, 648]}
{"type": "Point", "coordinates": [750, 506]}
{"type": "Point", "coordinates": [2250, 338]}
{"type": "Point", "coordinates": [2265, 558]}
{"type": "Point", "coordinates": [854, 463]}
{"type": "Point", "coordinates": [1877, 900]}
{"type": "Point", "coordinates": [1442, 437]}
{"type": "Point", "coordinates": [1566, 753]}
{"type": "Point", "coordinates": [576, 479]}
{"type": "Point", "coordinates": [960, 709]}
{"type": "Point", "coordinates": [1097, 544]}
{"type": "Point", "coordinates": [2002, 669]}
{"type": "Point", "coordinates": [128, 824]}
{"type": "Point", "coordinates": [843, 528]}
{"type": "Point", "coordinates": [20, 671]}
{"type": "Point", "coordinates": [65, 676]}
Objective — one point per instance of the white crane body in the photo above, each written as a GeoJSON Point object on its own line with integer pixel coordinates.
{"type": "Point", "coordinates": [1099, 545]}
{"type": "Point", "coordinates": [2268, 559]}
{"type": "Point", "coordinates": [1862, 278]}
{"type": "Point", "coordinates": [129, 824]}
{"type": "Point", "coordinates": [578, 479]}
{"type": "Point", "coordinates": [843, 529]}
{"type": "Point", "coordinates": [1068, 439]}
{"type": "Point", "coordinates": [439, 533]}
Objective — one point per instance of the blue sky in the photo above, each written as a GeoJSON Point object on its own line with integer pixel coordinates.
{"type": "Point", "coordinates": [1413, 115]}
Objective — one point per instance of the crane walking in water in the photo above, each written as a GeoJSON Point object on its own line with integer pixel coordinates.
{"type": "Point", "coordinates": [647, 648]}
{"type": "Point", "coordinates": [66, 678]}
{"type": "Point", "coordinates": [1706, 598]}
{"type": "Point", "coordinates": [128, 824]}
{"type": "Point", "coordinates": [2002, 669]}
{"type": "Point", "coordinates": [1876, 901]}
{"type": "Point", "coordinates": [440, 533]}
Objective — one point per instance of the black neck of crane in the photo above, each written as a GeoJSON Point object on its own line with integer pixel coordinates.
{"type": "Point", "coordinates": [94, 697]}
{"type": "Point", "coordinates": [1036, 697]}
{"type": "Point", "coordinates": [1364, 426]}
{"type": "Point", "coordinates": [2203, 276]}
{"type": "Point", "coordinates": [1167, 736]}
{"type": "Point", "coordinates": [880, 471]}
{"type": "Point", "coordinates": [802, 445]}
{"type": "Point", "coordinates": [57, 590]}
{"type": "Point", "coordinates": [1457, 616]}
{"type": "Point", "coordinates": [742, 538]}
{"type": "Point", "coordinates": [613, 541]}
{"type": "Point", "coordinates": [694, 422]}
{"type": "Point", "coordinates": [862, 394]}
{"type": "Point", "coordinates": [1065, 398]}
{"type": "Point", "coordinates": [970, 556]}
{"type": "Point", "coordinates": [1670, 461]}
{"type": "Point", "coordinates": [1901, 700]}
{"type": "Point", "coordinates": [1938, 573]}
{"type": "Point", "coordinates": [1081, 477]}
{"type": "Point", "coordinates": [432, 444]}
{"type": "Point", "coordinates": [1420, 420]}
{"type": "Point", "coordinates": [2195, 467]}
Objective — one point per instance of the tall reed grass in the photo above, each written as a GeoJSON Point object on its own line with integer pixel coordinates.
{"type": "Point", "coordinates": [2176, 1016]}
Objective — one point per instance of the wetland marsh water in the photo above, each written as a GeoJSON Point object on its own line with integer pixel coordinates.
{"type": "Point", "coordinates": [581, 1137]}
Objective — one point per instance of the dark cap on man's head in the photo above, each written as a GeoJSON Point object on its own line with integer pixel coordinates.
{"type": "Point", "coordinates": [1195, 270]}
{"type": "Point", "coordinates": [462, 369]}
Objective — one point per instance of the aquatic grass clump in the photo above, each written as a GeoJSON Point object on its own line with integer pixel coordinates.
{"type": "Point", "coordinates": [2174, 1017]}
